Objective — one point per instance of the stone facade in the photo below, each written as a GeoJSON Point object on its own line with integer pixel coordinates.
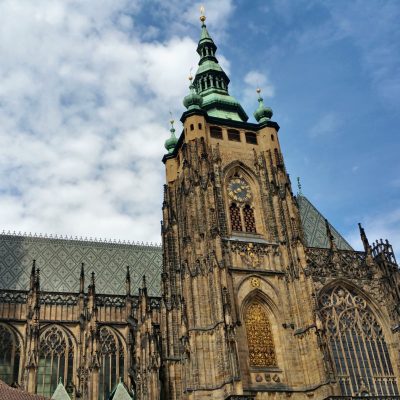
{"type": "Point", "coordinates": [260, 297]}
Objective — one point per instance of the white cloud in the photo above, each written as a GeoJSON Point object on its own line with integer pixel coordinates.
{"type": "Point", "coordinates": [84, 110]}
{"type": "Point", "coordinates": [326, 125]}
{"type": "Point", "coordinates": [380, 226]}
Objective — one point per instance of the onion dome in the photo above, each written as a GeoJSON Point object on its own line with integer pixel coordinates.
{"type": "Point", "coordinates": [192, 101]}
{"type": "Point", "coordinates": [262, 114]}
{"type": "Point", "coordinates": [172, 141]}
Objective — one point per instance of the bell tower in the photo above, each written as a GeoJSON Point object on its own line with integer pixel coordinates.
{"type": "Point", "coordinates": [237, 313]}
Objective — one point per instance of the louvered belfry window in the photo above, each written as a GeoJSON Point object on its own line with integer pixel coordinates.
{"type": "Point", "coordinates": [249, 220]}
{"type": "Point", "coordinates": [236, 220]}
{"type": "Point", "coordinates": [357, 344]}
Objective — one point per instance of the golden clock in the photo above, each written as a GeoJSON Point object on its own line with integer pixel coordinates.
{"type": "Point", "coordinates": [239, 190]}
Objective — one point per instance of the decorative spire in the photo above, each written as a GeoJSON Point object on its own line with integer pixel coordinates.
{"type": "Point", "coordinates": [82, 279]}
{"type": "Point", "coordinates": [211, 82]}
{"type": "Point", "coordinates": [332, 244]}
{"type": "Point", "coordinates": [262, 114]}
{"type": "Point", "coordinates": [128, 281]}
{"type": "Point", "coordinates": [299, 192]}
{"type": "Point", "coordinates": [364, 238]}
{"type": "Point", "coordinates": [172, 141]}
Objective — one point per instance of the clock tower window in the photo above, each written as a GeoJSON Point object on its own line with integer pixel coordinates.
{"type": "Point", "coordinates": [249, 220]}
{"type": "Point", "coordinates": [236, 219]}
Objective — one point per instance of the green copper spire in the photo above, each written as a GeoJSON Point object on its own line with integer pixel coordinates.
{"type": "Point", "coordinates": [172, 141]}
{"type": "Point", "coordinates": [192, 101]}
{"type": "Point", "coordinates": [262, 114]}
{"type": "Point", "coordinates": [211, 82]}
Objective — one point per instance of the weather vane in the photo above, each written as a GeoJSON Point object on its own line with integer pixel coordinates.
{"type": "Point", "coordinates": [202, 16]}
{"type": "Point", "coordinates": [171, 121]}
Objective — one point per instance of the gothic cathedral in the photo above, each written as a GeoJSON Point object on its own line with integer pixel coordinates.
{"type": "Point", "coordinates": [260, 297]}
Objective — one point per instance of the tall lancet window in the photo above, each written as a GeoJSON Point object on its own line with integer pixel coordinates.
{"type": "Point", "coordinates": [56, 360]}
{"type": "Point", "coordinates": [357, 344]}
{"type": "Point", "coordinates": [259, 337]}
{"type": "Point", "coordinates": [10, 352]}
{"type": "Point", "coordinates": [112, 362]}
{"type": "Point", "coordinates": [240, 210]}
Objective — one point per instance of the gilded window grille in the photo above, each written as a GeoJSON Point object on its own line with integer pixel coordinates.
{"type": "Point", "coordinates": [236, 220]}
{"type": "Point", "coordinates": [357, 344]}
{"type": "Point", "coordinates": [10, 353]}
{"type": "Point", "coordinates": [259, 337]}
{"type": "Point", "coordinates": [112, 362]}
{"type": "Point", "coordinates": [56, 360]}
{"type": "Point", "coordinates": [249, 220]}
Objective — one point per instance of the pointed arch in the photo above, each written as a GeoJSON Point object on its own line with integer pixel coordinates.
{"type": "Point", "coordinates": [356, 340]}
{"type": "Point", "coordinates": [112, 360]}
{"type": "Point", "coordinates": [260, 342]}
{"type": "Point", "coordinates": [256, 313]}
{"type": "Point", "coordinates": [242, 188]}
{"type": "Point", "coordinates": [10, 354]}
{"type": "Point", "coordinates": [56, 359]}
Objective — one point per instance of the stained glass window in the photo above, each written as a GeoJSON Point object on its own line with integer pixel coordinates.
{"type": "Point", "coordinates": [9, 355]}
{"type": "Point", "coordinates": [259, 337]}
{"type": "Point", "coordinates": [112, 362]}
{"type": "Point", "coordinates": [358, 347]}
{"type": "Point", "coordinates": [56, 360]}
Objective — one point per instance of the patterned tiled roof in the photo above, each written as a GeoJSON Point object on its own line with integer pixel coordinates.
{"type": "Point", "coordinates": [59, 261]}
{"type": "Point", "coordinates": [9, 393]}
{"type": "Point", "coordinates": [314, 227]}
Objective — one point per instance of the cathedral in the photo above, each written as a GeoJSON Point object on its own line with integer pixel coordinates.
{"type": "Point", "coordinates": [252, 295]}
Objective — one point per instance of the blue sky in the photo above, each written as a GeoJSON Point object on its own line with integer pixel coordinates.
{"type": "Point", "coordinates": [87, 88]}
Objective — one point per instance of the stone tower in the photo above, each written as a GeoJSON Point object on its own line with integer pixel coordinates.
{"type": "Point", "coordinates": [234, 287]}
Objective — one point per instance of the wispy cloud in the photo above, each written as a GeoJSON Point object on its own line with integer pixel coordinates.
{"type": "Point", "coordinates": [384, 225]}
{"type": "Point", "coordinates": [327, 124]}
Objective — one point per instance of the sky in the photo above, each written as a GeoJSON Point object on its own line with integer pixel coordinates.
{"type": "Point", "coordinates": [87, 88]}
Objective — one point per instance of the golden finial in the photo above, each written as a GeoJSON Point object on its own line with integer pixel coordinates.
{"type": "Point", "coordinates": [258, 90]}
{"type": "Point", "coordinates": [190, 77]}
{"type": "Point", "coordinates": [202, 16]}
{"type": "Point", "coordinates": [171, 121]}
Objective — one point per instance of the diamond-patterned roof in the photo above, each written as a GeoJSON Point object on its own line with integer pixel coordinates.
{"type": "Point", "coordinates": [314, 227]}
{"type": "Point", "coordinates": [59, 261]}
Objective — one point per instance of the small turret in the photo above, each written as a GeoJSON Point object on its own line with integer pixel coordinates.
{"type": "Point", "coordinates": [192, 101]}
{"type": "Point", "coordinates": [262, 114]}
{"type": "Point", "coordinates": [172, 141]}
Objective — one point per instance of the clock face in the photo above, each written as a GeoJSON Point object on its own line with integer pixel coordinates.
{"type": "Point", "coordinates": [239, 190]}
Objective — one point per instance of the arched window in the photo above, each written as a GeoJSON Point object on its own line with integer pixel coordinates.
{"type": "Point", "coordinates": [236, 221]}
{"type": "Point", "coordinates": [56, 360]}
{"type": "Point", "coordinates": [259, 337]}
{"type": "Point", "coordinates": [240, 210]}
{"type": "Point", "coordinates": [249, 221]}
{"type": "Point", "coordinates": [358, 348]}
{"type": "Point", "coordinates": [112, 362]}
{"type": "Point", "coordinates": [10, 352]}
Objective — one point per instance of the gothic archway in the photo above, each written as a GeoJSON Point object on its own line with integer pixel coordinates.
{"type": "Point", "coordinates": [259, 336]}
{"type": "Point", "coordinates": [56, 359]}
{"type": "Point", "coordinates": [112, 361]}
{"type": "Point", "coordinates": [357, 344]}
{"type": "Point", "coordinates": [242, 190]}
{"type": "Point", "coordinates": [10, 353]}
